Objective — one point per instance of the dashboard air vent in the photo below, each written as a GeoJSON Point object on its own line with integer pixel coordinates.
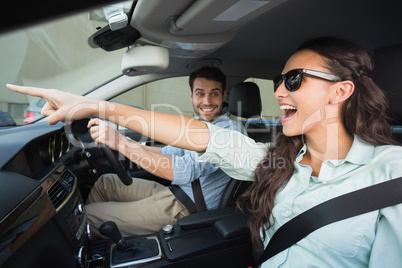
{"type": "Point", "coordinates": [61, 189]}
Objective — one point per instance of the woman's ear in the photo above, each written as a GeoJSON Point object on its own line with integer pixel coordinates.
{"type": "Point", "coordinates": [343, 91]}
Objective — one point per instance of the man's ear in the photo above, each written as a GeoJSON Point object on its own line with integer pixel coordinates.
{"type": "Point", "coordinates": [343, 91]}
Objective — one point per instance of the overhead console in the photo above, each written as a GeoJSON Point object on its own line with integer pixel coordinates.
{"type": "Point", "coordinates": [199, 26]}
{"type": "Point", "coordinates": [196, 28]}
{"type": "Point", "coordinates": [185, 29]}
{"type": "Point", "coordinates": [218, 16]}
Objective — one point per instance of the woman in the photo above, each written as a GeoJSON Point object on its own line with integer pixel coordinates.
{"type": "Point", "coordinates": [336, 139]}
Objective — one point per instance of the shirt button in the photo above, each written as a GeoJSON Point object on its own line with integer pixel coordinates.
{"type": "Point", "coordinates": [287, 213]}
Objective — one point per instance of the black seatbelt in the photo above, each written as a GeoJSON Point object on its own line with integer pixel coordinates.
{"type": "Point", "coordinates": [183, 198]}
{"type": "Point", "coordinates": [192, 207]}
{"type": "Point", "coordinates": [198, 196]}
{"type": "Point", "coordinates": [368, 199]}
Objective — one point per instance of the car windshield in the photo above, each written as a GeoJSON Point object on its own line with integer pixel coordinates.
{"type": "Point", "coordinates": [54, 55]}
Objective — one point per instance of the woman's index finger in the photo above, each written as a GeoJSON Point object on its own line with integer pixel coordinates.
{"type": "Point", "coordinates": [32, 91]}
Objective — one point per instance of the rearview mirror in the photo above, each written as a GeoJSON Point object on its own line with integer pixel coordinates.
{"type": "Point", "coordinates": [145, 59]}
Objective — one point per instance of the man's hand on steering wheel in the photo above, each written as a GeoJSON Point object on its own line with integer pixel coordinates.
{"type": "Point", "coordinates": [103, 133]}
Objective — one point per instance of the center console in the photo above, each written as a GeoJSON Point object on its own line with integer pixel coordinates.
{"type": "Point", "coordinates": [211, 238]}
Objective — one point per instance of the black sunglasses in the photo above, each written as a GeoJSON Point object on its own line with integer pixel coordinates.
{"type": "Point", "coordinates": [294, 77]}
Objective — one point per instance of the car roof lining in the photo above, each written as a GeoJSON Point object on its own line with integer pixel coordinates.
{"type": "Point", "coordinates": [371, 23]}
{"type": "Point", "coordinates": [281, 28]}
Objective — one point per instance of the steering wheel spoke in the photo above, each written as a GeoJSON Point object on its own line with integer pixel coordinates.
{"type": "Point", "coordinates": [117, 165]}
{"type": "Point", "coordinates": [78, 129]}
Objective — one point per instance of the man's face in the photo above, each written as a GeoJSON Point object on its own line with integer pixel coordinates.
{"type": "Point", "coordinates": [207, 98]}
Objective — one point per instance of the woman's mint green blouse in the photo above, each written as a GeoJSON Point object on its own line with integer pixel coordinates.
{"type": "Point", "coordinates": [369, 240]}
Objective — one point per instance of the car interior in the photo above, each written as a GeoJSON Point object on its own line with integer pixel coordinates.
{"type": "Point", "coordinates": [47, 171]}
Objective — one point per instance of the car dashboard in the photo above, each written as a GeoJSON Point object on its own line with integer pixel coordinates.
{"type": "Point", "coordinates": [44, 174]}
{"type": "Point", "coordinates": [40, 196]}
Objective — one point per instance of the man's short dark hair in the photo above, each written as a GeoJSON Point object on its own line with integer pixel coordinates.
{"type": "Point", "coordinates": [210, 73]}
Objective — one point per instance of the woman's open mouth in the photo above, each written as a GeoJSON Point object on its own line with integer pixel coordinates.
{"type": "Point", "coordinates": [288, 112]}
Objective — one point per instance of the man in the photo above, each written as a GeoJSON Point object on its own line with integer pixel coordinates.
{"type": "Point", "coordinates": [145, 206]}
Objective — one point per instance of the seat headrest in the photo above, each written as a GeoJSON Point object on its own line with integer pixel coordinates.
{"type": "Point", "coordinates": [245, 100]}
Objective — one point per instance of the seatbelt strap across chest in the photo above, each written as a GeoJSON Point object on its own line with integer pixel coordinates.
{"type": "Point", "coordinates": [368, 199]}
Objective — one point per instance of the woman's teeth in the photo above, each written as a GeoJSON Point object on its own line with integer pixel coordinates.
{"type": "Point", "coordinates": [287, 107]}
{"type": "Point", "coordinates": [288, 111]}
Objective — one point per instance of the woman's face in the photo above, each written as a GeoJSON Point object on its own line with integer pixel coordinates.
{"type": "Point", "coordinates": [307, 109]}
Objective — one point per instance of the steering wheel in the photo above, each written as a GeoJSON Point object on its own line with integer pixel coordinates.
{"type": "Point", "coordinates": [78, 129]}
{"type": "Point", "coordinates": [117, 166]}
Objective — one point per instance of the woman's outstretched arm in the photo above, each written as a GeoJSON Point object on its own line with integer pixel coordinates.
{"type": "Point", "coordinates": [176, 130]}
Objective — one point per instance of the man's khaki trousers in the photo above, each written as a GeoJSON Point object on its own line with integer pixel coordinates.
{"type": "Point", "coordinates": [141, 208]}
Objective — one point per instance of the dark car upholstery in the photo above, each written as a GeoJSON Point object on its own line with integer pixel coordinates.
{"type": "Point", "coordinates": [387, 74]}
{"type": "Point", "coordinates": [245, 102]}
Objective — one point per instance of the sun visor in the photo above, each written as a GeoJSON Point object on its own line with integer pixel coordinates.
{"type": "Point", "coordinates": [218, 16]}
{"type": "Point", "coordinates": [141, 60]}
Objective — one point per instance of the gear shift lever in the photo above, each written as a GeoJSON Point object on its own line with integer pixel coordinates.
{"type": "Point", "coordinates": [111, 230]}
{"type": "Point", "coordinates": [131, 250]}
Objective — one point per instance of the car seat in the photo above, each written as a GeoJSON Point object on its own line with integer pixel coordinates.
{"type": "Point", "coordinates": [245, 102]}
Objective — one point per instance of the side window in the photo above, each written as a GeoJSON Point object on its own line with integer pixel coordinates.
{"type": "Point", "coordinates": [17, 111]}
{"type": "Point", "coordinates": [270, 106]}
{"type": "Point", "coordinates": [170, 95]}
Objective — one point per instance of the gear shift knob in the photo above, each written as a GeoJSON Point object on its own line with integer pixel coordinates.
{"type": "Point", "coordinates": [128, 250]}
{"type": "Point", "coordinates": [111, 230]}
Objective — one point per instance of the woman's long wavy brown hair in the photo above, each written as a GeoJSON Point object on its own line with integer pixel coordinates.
{"type": "Point", "coordinates": [365, 113]}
